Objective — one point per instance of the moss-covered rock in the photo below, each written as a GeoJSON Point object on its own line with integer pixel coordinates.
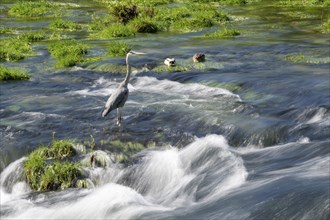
{"type": "Point", "coordinates": [46, 168]}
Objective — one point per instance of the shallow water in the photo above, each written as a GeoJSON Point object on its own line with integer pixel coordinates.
{"type": "Point", "coordinates": [260, 151]}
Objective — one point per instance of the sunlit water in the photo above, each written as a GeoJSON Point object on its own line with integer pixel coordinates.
{"type": "Point", "coordinates": [259, 152]}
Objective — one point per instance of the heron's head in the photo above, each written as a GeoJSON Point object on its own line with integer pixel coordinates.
{"type": "Point", "coordinates": [134, 53]}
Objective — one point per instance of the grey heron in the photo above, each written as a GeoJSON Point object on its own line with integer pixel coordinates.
{"type": "Point", "coordinates": [118, 98]}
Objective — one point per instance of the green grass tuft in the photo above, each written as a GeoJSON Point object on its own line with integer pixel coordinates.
{"type": "Point", "coordinates": [7, 73]}
{"type": "Point", "coordinates": [116, 31]}
{"type": "Point", "coordinates": [144, 25]}
{"type": "Point", "coordinates": [32, 8]}
{"type": "Point", "coordinates": [33, 36]}
{"type": "Point", "coordinates": [14, 49]}
{"type": "Point", "coordinates": [68, 53]}
{"type": "Point", "coordinates": [119, 48]}
{"type": "Point", "coordinates": [60, 24]}
{"type": "Point", "coordinates": [223, 33]}
{"type": "Point", "coordinates": [43, 174]}
{"type": "Point", "coordinates": [59, 176]}
{"type": "Point", "coordinates": [7, 30]}
{"type": "Point", "coordinates": [325, 27]}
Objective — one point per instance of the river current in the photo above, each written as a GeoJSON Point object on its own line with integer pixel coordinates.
{"type": "Point", "coordinates": [258, 151]}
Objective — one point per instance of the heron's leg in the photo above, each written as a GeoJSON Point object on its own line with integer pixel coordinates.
{"type": "Point", "coordinates": [119, 116]}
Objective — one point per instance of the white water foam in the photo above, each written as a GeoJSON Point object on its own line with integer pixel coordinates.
{"type": "Point", "coordinates": [164, 180]}
{"type": "Point", "coordinates": [102, 87]}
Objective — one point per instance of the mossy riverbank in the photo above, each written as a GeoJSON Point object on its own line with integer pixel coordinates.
{"type": "Point", "coordinates": [113, 20]}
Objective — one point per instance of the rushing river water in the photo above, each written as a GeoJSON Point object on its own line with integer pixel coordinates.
{"type": "Point", "coordinates": [258, 152]}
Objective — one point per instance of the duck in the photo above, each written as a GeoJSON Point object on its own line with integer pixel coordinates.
{"type": "Point", "coordinates": [169, 62]}
{"type": "Point", "coordinates": [199, 57]}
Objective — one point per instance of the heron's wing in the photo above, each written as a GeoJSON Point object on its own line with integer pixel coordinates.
{"type": "Point", "coordinates": [117, 99]}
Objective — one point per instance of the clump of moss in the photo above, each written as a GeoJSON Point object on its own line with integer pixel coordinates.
{"type": "Point", "coordinates": [14, 49]}
{"type": "Point", "coordinates": [296, 58]}
{"type": "Point", "coordinates": [178, 68]}
{"type": "Point", "coordinates": [7, 73]}
{"type": "Point", "coordinates": [144, 25]}
{"type": "Point", "coordinates": [68, 53]}
{"type": "Point", "coordinates": [32, 8]}
{"type": "Point", "coordinates": [109, 68]}
{"type": "Point", "coordinates": [325, 27]}
{"type": "Point", "coordinates": [124, 150]}
{"type": "Point", "coordinates": [60, 24]}
{"type": "Point", "coordinates": [119, 48]}
{"type": "Point", "coordinates": [59, 175]}
{"type": "Point", "coordinates": [33, 36]}
{"type": "Point", "coordinates": [123, 11]}
{"type": "Point", "coordinates": [223, 33]}
{"type": "Point", "coordinates": [99, 23]}
{"type": "Point", "coordinates": [234, 2]}
{"type": "Point", "coordinates": [116, 31]}
{"type": "Point", "coordinates": [300, 3]}
{"type": "Point", "coordinates": [192, 17]}
{"type": "Point", "coordinates": [34, 168]}
{"type": "Point", "coordinates": [7, 30]}
{"type": "Point", "coordinates": [43, 174]}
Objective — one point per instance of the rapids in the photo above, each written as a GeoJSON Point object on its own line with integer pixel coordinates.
{"type": "Point", "coordinates": [245, 135]}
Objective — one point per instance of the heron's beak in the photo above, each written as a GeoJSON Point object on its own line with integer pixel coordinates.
{"type": "Point", "coordinates": [137, 53]}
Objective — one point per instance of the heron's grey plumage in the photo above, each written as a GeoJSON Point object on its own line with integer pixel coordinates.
{"type": "Point", "coordinates": [118, 98]}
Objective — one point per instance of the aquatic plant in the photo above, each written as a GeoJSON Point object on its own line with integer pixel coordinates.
{"type": "Point", "coordinates": [32, 8]}
{"type": "Point", "coordinates": [296, 58]}
{"type": "Point", "coordinates": [234, 2]}
{"type": "Point", "coordinates": [109, 68]}
{"type": "Point", "coordinates": [115, 31]}
{"type": "Point", "coordinates": [177, 68]}
{"type": "Point", "coordinates": [7, 73]}
{"type": "Point", "coordinates": [119, 48]}
{"type": "Point", "coordinates": [124, 150]}
{"type": "Point", "coordinates": [325, 27]}
{"type": "Point", "coordinates": [34, 167]}
{"type": "Point", "coordinates": [14, 49]}
{"type": "Point", "coordinates": [61, 149]}
{"type": "Point", "coordinates": [300, 3]}
{"type": "Point", "coordinates": [43, 174]}
{"type": "Point", "coordinates": [68, 52]}
{"type": "Point", "coordinates": [222, 33]}
{"type": "Point", "coordinates": [144, 25]}
{"type": "Point", "coordinates": [99, 23]}
{"type": "Point", "coordinates": [33, 36]}
{"type": "Point", "coordinates": [59, 175]}
{"type": "Point", "coordinates": [60, 24]}
{"type": "Point", "coordinates": [7, 30]}
{"type": "Point", "coordinates": [123, 11]}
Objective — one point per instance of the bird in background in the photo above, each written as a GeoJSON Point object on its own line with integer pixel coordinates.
{"type": "Point", "coordinates": [118, 98]}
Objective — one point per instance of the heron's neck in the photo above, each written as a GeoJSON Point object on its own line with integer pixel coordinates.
{"type": "Point", "coordinates": [128, 74]}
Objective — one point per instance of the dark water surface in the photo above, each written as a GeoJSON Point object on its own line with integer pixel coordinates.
{"type": "Point", "coordinates": [259, 151]}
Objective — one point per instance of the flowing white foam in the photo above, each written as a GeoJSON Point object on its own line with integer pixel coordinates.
{"type": "Point", "coordinates": [164, 180]}
{"type": "Point", "coordinates": [102, 87]}
{"type": "Point", "coordinates": [154, 85]}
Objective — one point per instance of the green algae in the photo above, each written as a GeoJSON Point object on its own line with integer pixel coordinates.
{"type": "Point", "coordinates": [7, 73]}
{"type": "Point", "coordinates": [60, 24]}
{"type": "Point", "coordinates": [68, 52]}
{"type": "Point", "coordinates": [14, 49]}
{"type": "Point", "coordinates": [222, 33]}
{"type": "Point", "coordinates": [32, 8]}
{"type": "Point", "coordinates": [118, 48]}
{"type": "Point", "coordinates": [46, 169]}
